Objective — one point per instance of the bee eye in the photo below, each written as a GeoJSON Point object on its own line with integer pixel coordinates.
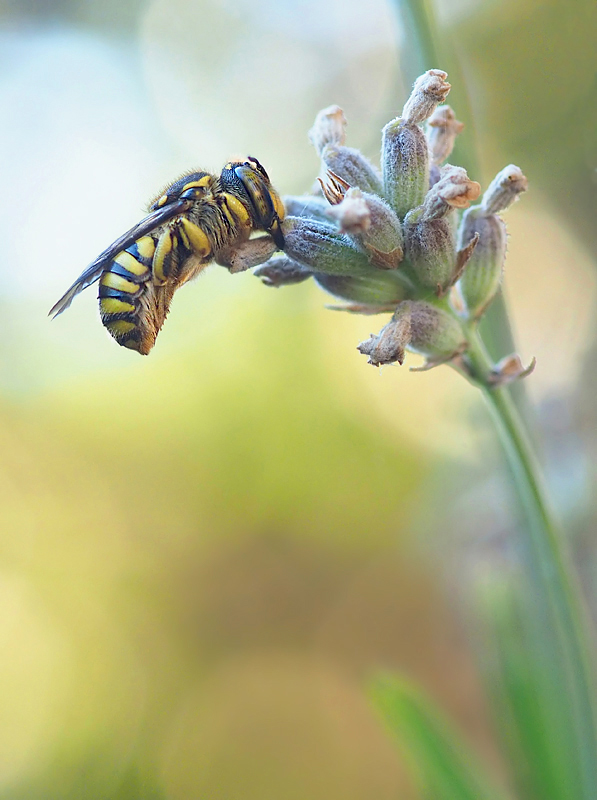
{"type": "Point", "coordinates": [193, 193]}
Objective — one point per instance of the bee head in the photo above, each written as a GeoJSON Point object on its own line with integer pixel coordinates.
{"type": "Point", "coordinates": [249, 181]}
{"type": "Point", "coordinates": [192, 186]}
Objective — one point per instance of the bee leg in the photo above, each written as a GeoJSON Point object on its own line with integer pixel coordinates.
{"type": "Point", "coordinates": [196, 245]}
{"type": "Point", "coordinates": [166, 257]}
{"type": "Point", "coordinates": [180, 239]}
{"type": "Point", "coordinates": [276, 232]}
{"type": "Point", "coordinates": [247, 255]}
{"type": "Point", "coordinates": [194, 239]}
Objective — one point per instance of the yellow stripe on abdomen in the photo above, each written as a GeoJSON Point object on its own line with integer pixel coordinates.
{"type": "Point", "coordinates": [119, 283]}
{"type": "Point", "coordinates": [119, 327]}
{"type": "Point", "coordinates": [130, 263]}
{"type": "Point", "coordinates": [111, 305]}
{"type": "Point", "coordinates": [145, 246]}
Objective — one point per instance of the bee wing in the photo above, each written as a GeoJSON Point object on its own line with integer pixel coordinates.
{"type": "Point", "coordinates": [97, 266]}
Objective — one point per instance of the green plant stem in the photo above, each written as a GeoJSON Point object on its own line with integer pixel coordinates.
{"type": "Point", "coordinates": [422, 51]}
{"type": "Point", "coordinates": [549, 566]}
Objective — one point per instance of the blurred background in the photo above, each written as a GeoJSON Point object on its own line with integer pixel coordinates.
{"type": "Point", "coordinates": [206, 554]}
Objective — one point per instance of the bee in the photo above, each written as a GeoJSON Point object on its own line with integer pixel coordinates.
{"type": "Point", "coordinates": [196, 220]}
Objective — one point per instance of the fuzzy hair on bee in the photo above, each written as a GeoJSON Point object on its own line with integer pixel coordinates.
{"type": "Point", "coordinates": [198, 219]}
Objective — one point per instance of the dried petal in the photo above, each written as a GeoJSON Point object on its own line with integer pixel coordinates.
{"type": "Point", "coordinates": [429, 90]}
{"type": "Point", "coordinates": [453, 190]}
{"type": "Point", "coordinates": [510, 369]}
{"type": "Point", "coordinates": [420, 327]}
{"type": "Point", "coordinates": [352, 214]}
{"type": "Point", "coordinates": [442, 130]}
{"type": "Point", "coordinates": [504, 189]}
{"type": "Point", "coordinates": [333, 187]}
{"type": "Point", "coordinates": [329, 128]}
{"type": "Point", "coordinates": [388, 347]}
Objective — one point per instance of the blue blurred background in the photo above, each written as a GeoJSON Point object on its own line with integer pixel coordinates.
{"type": "Point", "coordinates": [206, 553]}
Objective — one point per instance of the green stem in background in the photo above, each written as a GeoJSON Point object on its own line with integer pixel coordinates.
{"type": "Point", "coordinates": [548, 564]}
{"type": "Point", "coordinates": [422, 52]}
{"type": "Point", "coordinates": [553, 589]}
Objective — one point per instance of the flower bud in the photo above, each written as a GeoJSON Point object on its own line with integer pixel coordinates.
{"type": "Point", "coordinates": [429, 90]}
{"type": "Point", "coordinates": [282, 271]}
{"type": "Point", "coordinates": [420, 327]}
{"type": "Point", "coordinates": [307, 206]}
{"type": "Point", "coordinates": [509, 369]}
{"type": "Point", "coordinates": [378, 289]}
{"type": "Point", "coordinates": [428, 230]}
{"type": "Point", "coordinates": [352, 214]}
{"type": "Point", "coordinates": [373, 225]}
{"type": "Point", "coordinates": [453, 190]}
{"type": "Point", "coordinates": [504, 190]}
{"type": "Point", "coordinates": [352, 166]}
{"type": "Point", "coordinates": [329, 128]}
{"type": "Point", "coordinates": [404, 165]}
{"type": "Point", "coordinates": [435, 333]}
{"type": "Point", "coordinates": [322, 248]}
{"type": "Point", "coordinates": [482, 276]}
{"type": "Point", "coordinates": [442, 130]}
{"type": "Point", "coordinates": [328, 135]}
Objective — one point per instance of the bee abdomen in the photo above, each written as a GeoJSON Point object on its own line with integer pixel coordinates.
{"type": "Point", "coordinates": [120, 287]}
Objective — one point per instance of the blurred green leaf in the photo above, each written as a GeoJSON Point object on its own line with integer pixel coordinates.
{"type": "Point", "coordinates": [532, 709]}
{"type": "Point", "coordinates": [445, 769]}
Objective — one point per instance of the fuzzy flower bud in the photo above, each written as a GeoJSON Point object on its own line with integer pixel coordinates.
{"type": "Point", "coordinates": [282, 271]}
{"type": "Point", "coordinates": [442, 130]}
{"type": "Point", "coordinates": [404, 165]}
{"type": "Point", "coordinates": [380, 289]}
{"type": "Point", "coordinates": [307, 206]}
{"type": "Point", "coordinates": [504, 190]}
{"type": "Point", "coordinates": [429, 90]}
{"type": "Point", "coordinates": [482, 276]}
{"type": "Point", "coordinates": [420, 327]}
{"type": "Point", "coordinates": [453, 190]}
{"type": "Point", "coordinates": [404, 148]}
{"type": "Point", "coordinates": [329, 128]}
{"type": "Point", "coordinates": [328, 136]}
{"type": "Point", "coordinates": [322, 248]}
{"type": "Point", "coordinates": [428, 230]}
{"type": "Point", "coordinates": [373, 225]}
{"type": "Point", "coordinates": [352, 214]}
{"type": "Point", "coordinates": [352, 166]}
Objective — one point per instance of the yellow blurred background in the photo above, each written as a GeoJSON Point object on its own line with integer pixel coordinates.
{"type": "Point", "coordinates": [207, 553]}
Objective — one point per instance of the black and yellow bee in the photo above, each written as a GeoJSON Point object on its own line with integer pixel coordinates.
{"type": "Point", "coordinates": [194, 220]}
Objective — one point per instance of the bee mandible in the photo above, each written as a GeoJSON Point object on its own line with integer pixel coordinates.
{"type": "Point", "coordinates": [198, 219]}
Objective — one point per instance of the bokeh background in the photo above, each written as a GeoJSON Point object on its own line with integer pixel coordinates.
{"type": "Point", "coordinates": [205, 554]}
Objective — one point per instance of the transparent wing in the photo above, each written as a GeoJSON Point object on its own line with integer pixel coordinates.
{"type": "Point", "coordinates": [97, 266]}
